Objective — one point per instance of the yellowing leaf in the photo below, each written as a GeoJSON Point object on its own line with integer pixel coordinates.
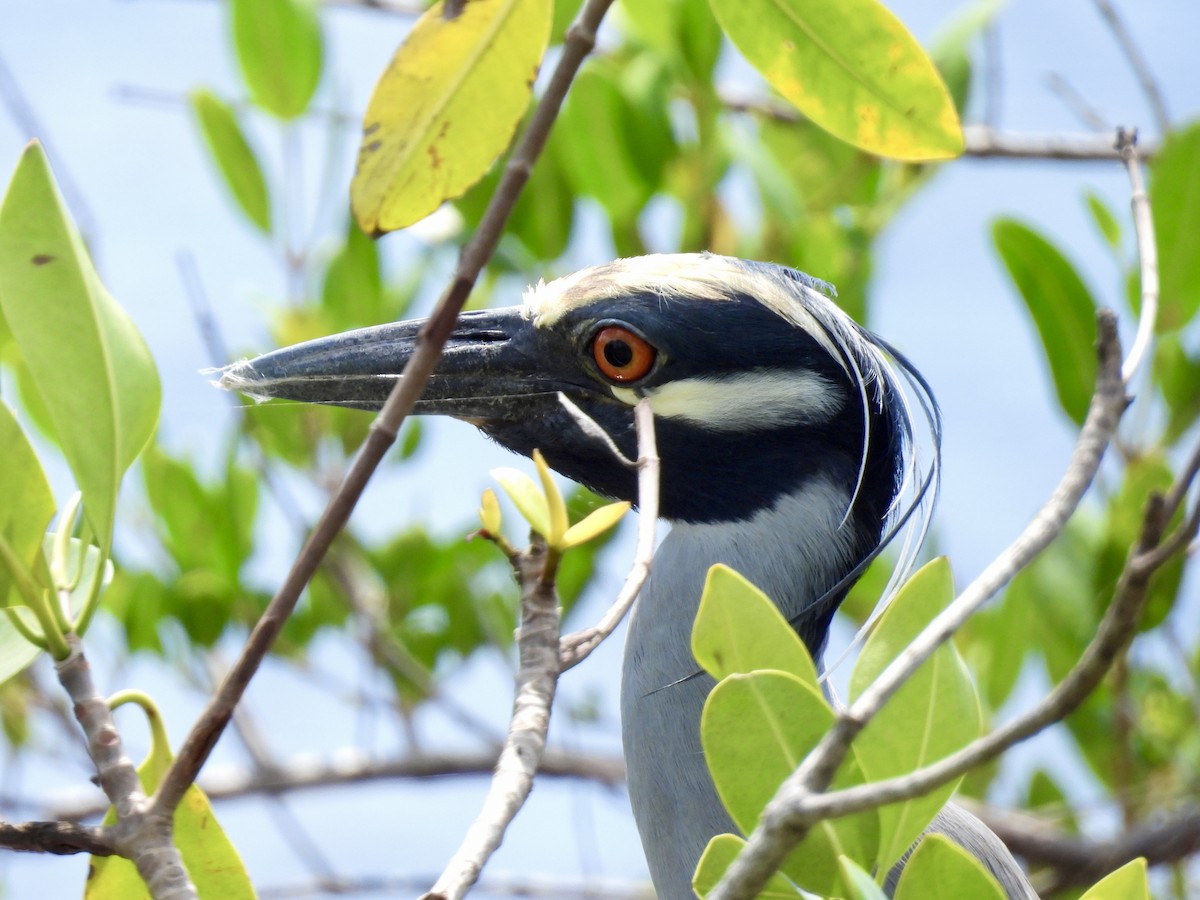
{"type": "Point", "coordinates": [489, 512]}
{"type": "Point", "coordinates": [1127, 883]}
{"type": "Point", "coordinates": [851, 67]}
{"type": "Point", "coordinates": [595, 523]}
{"type": "Point", "coordinates": [212, 861]}
{"type": "Point", "coordinates": [526, 497]}
{"type": "Point", "coordinates": [556, 509]}
{"type": "Point", "coordinates": [446, 107]}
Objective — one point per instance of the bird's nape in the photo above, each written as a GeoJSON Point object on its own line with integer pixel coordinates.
{"type": "Point", "coordinates": [794, 447]}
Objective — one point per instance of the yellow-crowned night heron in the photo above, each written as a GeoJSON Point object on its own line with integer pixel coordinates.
{"type": "Point", "coordinates": [787, 437]}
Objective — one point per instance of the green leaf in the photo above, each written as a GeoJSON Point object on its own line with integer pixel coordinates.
{"type": "Point", "coordinates": [1175, 201]}
{"type": "Point", "coordinates": [233, 155]}
{"type": "Point", "coordinates": [26, 502]}
{"type": "Point", "coordinates": [1177, 377]}
{"type": "Point", "coordinates": [526, 497]}
{"type": "Point", "coordinates": [446, 107]}
{"type": "Point", "coordinates": [86, 358]}
{"type": "Point", "coordinates": [939, 869]}
{"type": "Point", "coordinates": [738, 630]}
{"type": "Point", "coordinates": [279, 50]}
{"type": "Point", "coordinates": [595, 524]}
{"type": "Point", "coordinates": [1106, 222]}
{"type": "Point", "coordinates": [755, 730]}
{"type": "Point", "coordinates": [851, 67]}
{"type": "Point", "coordinates": [1127, 883]}
{"type": "Point", "coordinates": [15, 652]}
{"type": "Point", "coordinates": [859, 884]}
{"type": "Point", "coordinates": [1062, 309]}
{"type": "Point", "coordinates": [717, 856]}
{"type": "Point", "coordinates": [352, 292]}
{"type": "Point", "coordinates": [211, 860]}
{"type": "Point", "coordinates": [933, 714]}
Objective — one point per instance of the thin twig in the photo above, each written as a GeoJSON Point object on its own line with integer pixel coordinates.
{"type": "Point", "coordinates": [982, 141]}
{"type": "Point", "coordinates": [1143, 224]}
{"type": "Point", "coordinates": [208, 728]}
{"type": "Point", "coordinates": [779, 828]}
{"type": "Point", "coordinates": [537, 680]}
{"type": "Point", "coordinates": [59, 838]}
{"type": "Point", "coordinates": [1137, 62]}
{"type": "Point", "coordinates": [348, 766]}
{"type": "Point", "coordinates": [1077, 103]}
{"type": "Point", "coordinates": [576, 647]}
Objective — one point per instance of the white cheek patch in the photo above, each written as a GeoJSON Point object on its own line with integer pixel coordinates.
{"type": "Point", "coordinates": [757, 400]}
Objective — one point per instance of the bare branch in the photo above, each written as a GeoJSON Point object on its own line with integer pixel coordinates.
{"type": "Point", "coordinates": [347, 767]}
{"type": "Point", "coordinates": [575, 647]}
{"type": "Point", "coordinates": [59, 838]}
{"type": "Point", "coordinates": [193, 753]}
{"type": "Point", "coordinates": [1141, 68]}
{"type": "Point", "coordinates": [1143, 224]}
{"type": "Point", "coordinates": [537, 679]}
{"type": "Point", "coordinates": [1076, 860]}
{"type": "Point", "coordinates": [782, 825]}
{"type": "Point", "coordinates": [140, 834]}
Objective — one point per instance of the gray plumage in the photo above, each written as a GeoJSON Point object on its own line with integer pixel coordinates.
{"type": "Point", "coordinates": [794, 445]}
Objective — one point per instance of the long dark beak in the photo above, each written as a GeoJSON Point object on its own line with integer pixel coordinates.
{"type": "Point", "coordinates": [492, 362]}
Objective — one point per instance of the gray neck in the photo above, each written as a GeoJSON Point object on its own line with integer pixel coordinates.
{"type": "Point", "coordinates": [794, 551]}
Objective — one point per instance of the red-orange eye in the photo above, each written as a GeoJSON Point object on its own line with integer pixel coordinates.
{"type": "Point", "coordinates": [622, 355]}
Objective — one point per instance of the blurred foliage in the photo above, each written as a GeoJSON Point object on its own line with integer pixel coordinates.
{"type": "Point", "coordinates": [650, 147]}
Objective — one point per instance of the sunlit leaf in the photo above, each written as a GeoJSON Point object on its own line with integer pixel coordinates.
{"type": "Point", "coordinates": [939, 869]}
{"type": "Point", "coordinates": [933, 714]}
{"type": "Point", "coordinates": [279, 50]}
{"type": "Point", "coordinates": [526, 497]}
{"type": "Point", "coordinates": [26, 502]}
{"type": "Point", "coordinates": [716, 858]}
{"type": "Point", "coordinates": [596, 523]}
{"type": "Point", "coordinates": [738, 630]}
{"type": "Point", "coordinates": [233, 155]}
{"type": "Point", "coordinates": [446, 108]}
{"type": "Point", "coordinates": [1062, 309]}
{"type": "Point", "coordinates": [853, 68]}
{"type": "Point", "coordinates": [1175, 201]}
{"type": "Point", "coordinates": [755, 730]}
{"type": "Point", "coordinates": [1127, 883]}
{"type": "Point", "coordinates": [211, 860]}
{"type": "Point", "coordinates": [489, 512]}
{"type": "Point", "coordinates": [86, 358]}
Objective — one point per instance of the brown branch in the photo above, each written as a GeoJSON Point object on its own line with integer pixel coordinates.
{"type": "Point", "coordinates": [346, 768]}
{"type": "Point", "coordinates": [1077, 860]}
{"type": "Point", "coordinates": [59, 838]}
{"type": "Point", "coordinates": [537, 680]}
{"type": "Point", "coordinates": [785, 821]}
{"type": "Point", "coordinates": [208, 728]}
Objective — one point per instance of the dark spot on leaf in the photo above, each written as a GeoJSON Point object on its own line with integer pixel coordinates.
{"type": "Point", "coordinates": [91, 871]}
{"type": "Point", "coordinates": [453, 9]}
{"type": "Point", "coordinates": [371, 129]}
{"type": "Point", "coordinates": [41, 259]}
{"type": "Point", "coordinates": [372, 147]}
{"type": "Point", "coordinates": [789, 46]}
